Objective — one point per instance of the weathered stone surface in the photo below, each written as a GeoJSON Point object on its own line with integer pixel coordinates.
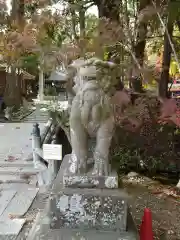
{"type": "Point", "coordinates": [85, 211]}
{"type": "Point", "coordinates": [15, 139]}
{"type": "Point", "coordinates": [20, 203]}
{"type": "Point", "coordinates": [91, 181]}
{"type": "Point", "coordinates": [69, 179]}
{"type": "Point", "coordinates": [84, 235]}
{"type": "Point", "coordinates": [42, 231]}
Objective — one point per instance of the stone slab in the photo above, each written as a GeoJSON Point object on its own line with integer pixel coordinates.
{"type": "Point", "coordinates": [16, 186]}
{"type": "Point", "coordinates": [16, 163]}
{"type": "Point", "coordinates": [92, 191]}
{"type": "Point", "coordinates": [42, 231]}
{"type": "Point", "coordinates": [5, 178]}
{"type": "Point", "coordinates": [5, 198]}
{"type": "Point", "coordinates": [85, 181]}
{"type": "Point", "coordinates": [15, 139]}
{"type": "Point", "coordinates": [11, 227]}
{"type": "Point", "coordinates": [20, 203]}
{"type": "Point", "coordinates": [18, 170]}
{"type": "Point", "coordinates": [65, 234]}
{"type": "Point", "coordinates": [17, 207]}
{"type": "Point", "coordinates": [88, 211]}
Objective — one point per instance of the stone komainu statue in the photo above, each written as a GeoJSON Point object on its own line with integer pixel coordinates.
{"type": "Point", "coordinates": [91, 116]}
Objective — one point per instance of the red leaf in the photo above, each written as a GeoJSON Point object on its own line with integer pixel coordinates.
{"type": "Point", "coordinates": [121, 98]}
{"type": "Point", "coordinates": [168, 108]}
{"type": "Point", "coordinates": [11, 158]}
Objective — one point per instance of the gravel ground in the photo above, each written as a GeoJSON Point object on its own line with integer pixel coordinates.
{"type": "Point", "coordinates": [164, 202]}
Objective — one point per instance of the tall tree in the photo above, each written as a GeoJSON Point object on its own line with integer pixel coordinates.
{"type": "Point", "coordinates": [140, 45]}
{"type": "Point", "coordinates": [13, 93]}
{"type": "Point", "coordinates": [173, 11]}
{"type": "Point", "coordinates": [108, 9]}
{"type": "Point", "coordinates": [163, 84]}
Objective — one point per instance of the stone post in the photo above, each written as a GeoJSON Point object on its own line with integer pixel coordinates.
{"type": "Point", "coordinates": [46, 131]}
{"type": "Point", "coordinates": [53, 164]}
{"type": "Point", "coordinates": [41, 85]}
{"type": "Point", "coordinates": [36, 144]}
{"type": "Point", "coordinates": [36, 147]}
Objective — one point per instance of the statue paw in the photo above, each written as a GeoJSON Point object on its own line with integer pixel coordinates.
{"type": "Point", "coordinates": [100, 169]}
{"type": "Point", "coordinates": [82, 167]}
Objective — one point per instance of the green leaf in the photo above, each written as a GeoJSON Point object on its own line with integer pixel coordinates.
{"type": "Point", "coordinates": [30, 61]}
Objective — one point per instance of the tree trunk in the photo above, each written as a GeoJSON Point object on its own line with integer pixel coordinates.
{"type": "Point", "coordinates": [139, 48]}
{"type": "Point", "coordinates": [17, 13]}
{"type": "Point", "coordinates": [41, 85]}
{"type": "Point", "coordinates": [141, 34]}
{"type": "Point", "coordinates": [82, 22]}
{"type": "Point", "coordinates": [108, 9]}
{"type": "Point", "coordinates": [163, 84]}
{"type": "Point", "coordinates": [178, 24]}
{"type": "Point", "coordinates": [73, 18]}
{"type": "Point", "coordinates": [82, 30]}
{"type": "Point", "coordinates": [12, 92]}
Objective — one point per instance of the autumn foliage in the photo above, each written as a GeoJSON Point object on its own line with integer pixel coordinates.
{"type": "Point", "coordinates": [38, 36]}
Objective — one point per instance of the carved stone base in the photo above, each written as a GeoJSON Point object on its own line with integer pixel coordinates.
{"type": "Point", "coordinates": [90, 181]}
{"type": "Point", "coordinates": [84, 213]}
{"type": "Point", "coordinates": [84, 210]}
{"type": "Point", "coordinates": [87, 180]}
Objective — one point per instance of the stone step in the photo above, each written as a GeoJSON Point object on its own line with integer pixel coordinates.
{"type": "Point", "coordinates": [6, 178]}
{"type": "Point", "coordinates": [16, 186]}
{"type": "Point", "coordinates": [18, 171]}
{"type": "Point", "coordinates": [18, 163]}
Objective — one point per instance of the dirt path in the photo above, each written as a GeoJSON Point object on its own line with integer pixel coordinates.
{"type": "Point", "coordinates": [164, 203]}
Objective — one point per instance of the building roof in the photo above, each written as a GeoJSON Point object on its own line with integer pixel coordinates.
{"type": "Point", "coordinates": [57, 76]}
{"type": "Point", "coordinates": [26, 75]}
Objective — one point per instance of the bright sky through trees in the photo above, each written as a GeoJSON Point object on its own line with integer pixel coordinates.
{"type": "Point", "coordinates": [58, 6]}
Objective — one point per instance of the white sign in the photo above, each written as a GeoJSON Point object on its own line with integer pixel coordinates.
{"type": "Point", "coordinates": [52, 152]}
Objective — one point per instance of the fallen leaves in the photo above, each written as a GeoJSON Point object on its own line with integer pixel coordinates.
{"type": "Point", "coordinates": [163, 200]}
{"type": "Point", "coordinates": [170, 112]}
{"type": "Point", "coordinates": [169, 192]}
{"type": "Point", "coordinates": [154, 186]}
{"type": "Point", "coordinates": [15, 216]}
{"type": "Point", "coordinates": [11, 158]}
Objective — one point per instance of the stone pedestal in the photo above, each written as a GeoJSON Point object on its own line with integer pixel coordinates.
{"type": "Point", "coordinates": [87, 213]}
{"type": "Point", "coordinates": [89, 210]}
{"type": "Point", "coordinates": [85, 181]}
{"type": "Point", "coordinates": [70, 179]}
